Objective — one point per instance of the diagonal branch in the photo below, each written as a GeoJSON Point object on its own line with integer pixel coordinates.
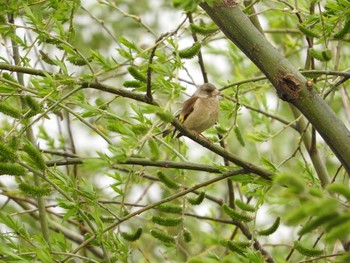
{"type": "Point", "coordinates": [252, 168]}
{"type": "Point", "coordinates": [290, 84]}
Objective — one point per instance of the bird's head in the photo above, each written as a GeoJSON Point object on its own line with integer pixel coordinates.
{"type": "Point", "coordinates": [206, 90]}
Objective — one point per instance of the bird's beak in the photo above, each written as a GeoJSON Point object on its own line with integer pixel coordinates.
{"type": "Point", "coordinates": [216, 92]}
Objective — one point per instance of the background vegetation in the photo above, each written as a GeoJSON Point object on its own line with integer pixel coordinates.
{"type": "Point", "coordinates": [87, 87]}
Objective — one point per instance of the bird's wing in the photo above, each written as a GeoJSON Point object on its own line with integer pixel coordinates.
{"type": "Point", "coordinates": [187, 108]}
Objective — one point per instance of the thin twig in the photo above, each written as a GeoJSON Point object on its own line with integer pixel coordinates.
{"type": "Point", "coordinates": [165, 200]}
{"type": "Point", "coordinates": [200, 57]}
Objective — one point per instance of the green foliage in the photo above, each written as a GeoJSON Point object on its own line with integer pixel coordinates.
{"type": "Point", "coordinates": [198, 200]}
{"type": "Point", "coordinates": [237, 246]}
{"type": "Point", "coordinates": [309, 252]}
{"type": "Point", "coordinates": [11, 169]}
{"type": "Point", "coordinates": [162, 236]}
{"type": "Point", "coordinates": [203, 30]}
{"type": "Point", "coordinates": [239, 135]}
{"type": "Point", "coordinates": [166, 180]}
{"type": "Point", "coordinates": [33, 105]}
{"type": "Point", "coordinates": [165, 116]}
{"type": "Point", "coordinates": [166, 221]}
{"type": "Point", "coordinates": [132, 236]}
{"type": "Point", "coordinates": [324, 55]}
{"type": "Point", "coordinates": [339, 188]}
{"type": "Point", "coordinates": [186, 5]}
{"type": "Point", "coordinates": [35, 156]}
{"type": "Point", "coordinates": [346, 28]}
{"type": "Point", "coordinates": [7, 153]}
{"type": "Point", "coordinates": [132, 84]}
{"type": "Point", "coordinates": [169, 208]}
{"type": "Point", "coordinates": [187, 236]}
{"type": "Point", "coordinates": [272, 229]}
{"type": "Point", "coordinates": [190, 52]}
{"type": "Point", "coordinates": [137, 74]}
{"type": "Point", "coordinates": [9, 110]}
{"type": "Point", "coordinates": [236, 215]}
{"type": "Point", "coordinates": [33, 190]}
{"type": "Point", "coordinates": [154, 149]}
{"type": "Point", "coordinates": [73, 80]}
{"type": "Point", "coordinates": [307, 32]}
{"type": "Point", "coordinates": [293, 182]}
{"type": "Point", "coordinates": [245, 206]}
{"type": "Point", "coordinates": [315, 223]}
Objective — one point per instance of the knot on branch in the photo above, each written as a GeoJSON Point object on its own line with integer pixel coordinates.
{"type": "Point", "coordinates": [289, 87]}
{"type": "Point", "coordinates": [228, 3]}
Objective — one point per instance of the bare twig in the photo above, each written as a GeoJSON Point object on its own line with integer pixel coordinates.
{"type": "Point", "coordinates": [165, 200]}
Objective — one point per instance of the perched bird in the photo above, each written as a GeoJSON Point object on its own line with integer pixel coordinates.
{"type": "Point", "coordinates": [201, 111]}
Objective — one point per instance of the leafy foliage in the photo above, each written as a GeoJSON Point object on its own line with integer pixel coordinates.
{"type": "Point", "coordinates": [87, 89]}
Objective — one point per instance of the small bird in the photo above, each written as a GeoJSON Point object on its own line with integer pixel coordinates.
{"type": "Point", "coordinates": [201, 111]}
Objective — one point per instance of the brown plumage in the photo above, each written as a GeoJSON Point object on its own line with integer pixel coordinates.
{"type": "Point", "coordinates": [201, 111]}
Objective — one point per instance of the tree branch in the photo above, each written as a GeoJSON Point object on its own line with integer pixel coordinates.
{"type": "Point", "coordinates": [222, 152]}
{"type": "Point", "coordinates": [146, 208]}
{"type": "Point", "coordinates": [144, 162]}
{"type": "Point", "coordinates": [289, 83]}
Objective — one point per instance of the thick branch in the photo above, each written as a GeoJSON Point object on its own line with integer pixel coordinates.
{"type": "Point", "coordinates": [289, 83]}
{"type": "Point", "coordinates": [252, 168]}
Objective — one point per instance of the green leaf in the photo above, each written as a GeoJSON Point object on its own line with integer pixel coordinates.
{"type": "Point", "coordinates": [9, 110]}
{"type": "Point", "coordinates": [190, 52]}
{"type": "Point", "coordinates": [133, 84]}
{"type": "Point", "coordinates": [294, 183]}
{"type": "Point", "coordinates": [154, 149]}
{"type": "Point", "coordinates": [323, 55]}
{"type": "Point", "coordinates": [186, 5]}
{"type": "Point", "coordinates": [346, 29]}
{"type": "Point", "coordinates": [128, 43]}
{"type": "Point", "coordinates": [310, 252]}
{"type": "Point", "coordinates": [187, 236]}
{"type": "Point", "coordinates": [239, 135]}
{"type": "Point", "coordinates": [32, 104]}
{"type": "Point", "coordinates": [204, 30]}
{"type": "Point", "coordinates": [198, 200]}
{"type": "Point", "coordinates": [162, 236]}
{"type": "Point", "coordinates": [132, 236]}
{"type": "Point", "coordinates": [169, 208]}
{"type": "Point", "coordinates": [315, 223]}
{"type": "Point", "coordinates": [268, 163]}
{"type": "Point", "coordinates": [7, 153]}
{"type": "Point", "coordinates": [33, 190]}
{"type": "Point", "coordinates": [245, 206]}
{"type": "Point", "coordinates": [307, 32]}
{"type": "Point", "coordinates": [311, 208]}
{"type": "Point", "coordinates": [167, 181]}
{"type": "Point", "coordinates": [272, 229]}
{"type": "Point", "coordinates": [11, 169]}
{"type": "Point", "coordinates": [165, 116]}
{"type": "Point", "coordinates": [236, 215]}
{"type": "Point", "coordinates": [339, 188]}
{"type": "Point", "coordinates": [35, 155]}
{"type": "Point", "coordinates": [119, 127]}
{"type": "Point", "coordinates": [166, 221]}
{"type": "Point", "coordinates": [137, 74]}
{"type": "Point", "coordinates": [234, 247]}
{"type": "Point", "coordinates": [339, 231]}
